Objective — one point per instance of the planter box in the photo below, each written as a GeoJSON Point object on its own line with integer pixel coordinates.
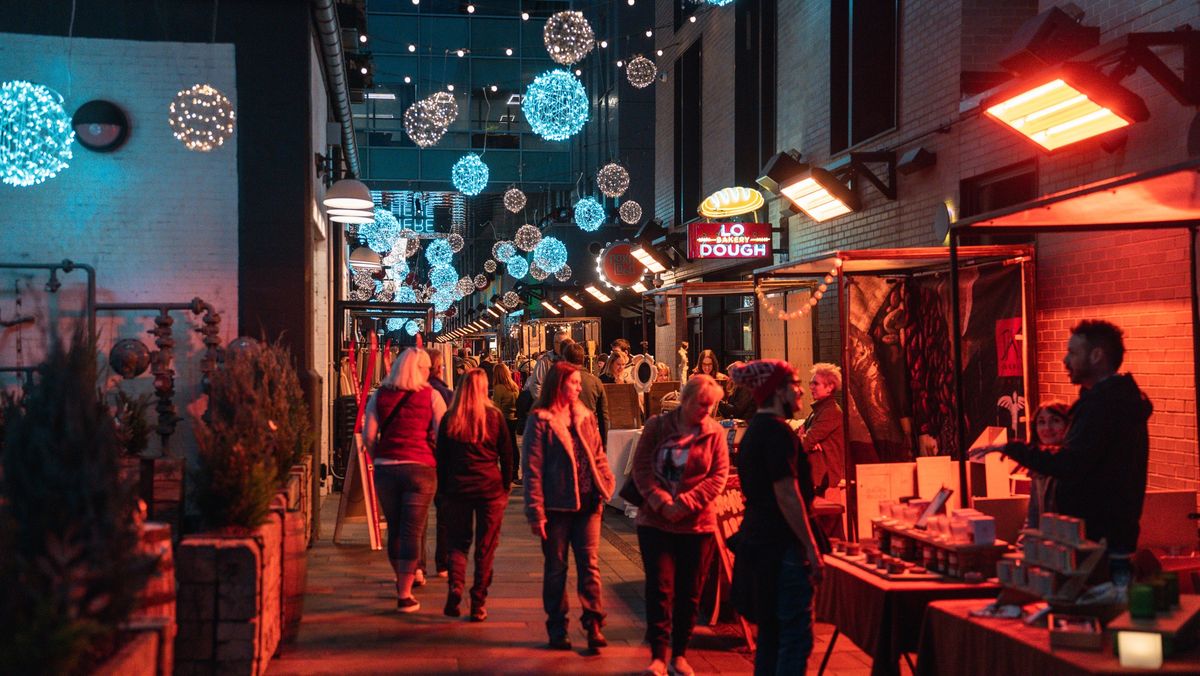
{"type": "Point", "coordinates": [138, 657]}
{"type": "Point", "coordinates": [229, 604]}
{"type": "Point", "coordinates": [156, 603]}
{"type": "Point", "coordinates": [159, 484]}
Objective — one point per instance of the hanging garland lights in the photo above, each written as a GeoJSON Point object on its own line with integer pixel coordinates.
{"type": "Point", "coordinates": [489, 265]}
{"type": "Point", "coordinates": [556, 105]}
{"type": "Point", "coordinates": [563, 274]}
{"type": "Point", "coordinates": [35, 133]}
{"type": "Point", "coordinates": [550, 254]}
{"type": "Point", "coordinates": [783, 315]}
{"type": "Point", "coordinates": [502, 251]}
{"type": "Point", "coordinates": [470, 174]}
{"type": "Point", "coordinates": [514, 200]}
{"type": "Point", "coordinates": [201, 117]}
{"type": "Point", "coordinates": [631, 212]}
{"type": "Point", "coordinates": [517, 267]}
{"type": "Point", "coordinates": [641, 72]}
{"type": "Point", "coordinates": [568, 37]}
{"type": "Point", "coordinates": [527, 237]}
{"type": "Point", "coordinates": [612, 179]}
{"type": "Point", "coordinates": [589, 214]}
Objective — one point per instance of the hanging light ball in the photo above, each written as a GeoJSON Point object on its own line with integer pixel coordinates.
{"type": "Point", "coordinates": [397, 267]}
{"type": "Point", "coordinates": [439, 253]}
{"type": "Point", "coordinates": [514, 200]}
{"type": "Point", "coordinates": [442, 299]}
{"type": "Point", "coordinates": [405, 294]}
{"type": "Point", "coordinates": [421, 123]}
{"type": "Point", "coordinates": [443, 276]}
{"type": "Point", "coordinates": [631, 212]}
{"type": "Point", "coordinates": [480, 281]}
{"type": "Point", "coordinates": [382, 233]}
{"type": "Point", "coordinates": [527, 237]}
{"type": "Point", "coordinates": [201, 117]}
{"type": "Point", "coordinates": [35, 133]}
{"type": "Point", "coordinates": [407, 244]}
{"type": "Point", "coordinates": [563, 274]}
{"type": "Point", "coordinates": [568, 37]}
{"type": "Point", "coordinates": [550, 254]}
{"type": "Point", "coordinates": [396, 323]}
{"type": "Point", "coordinates": [363, 280]}
{"type": "Point", "coordinates": [470, 174]}
{"type": "Point", "coordinates": [413, 327]}
{"type": "Point", "coordinates": [511, 300]}
{"type": "Point", "coordinates": [444, 107]}
{"type": "Point", "coordinates": [456, 242]}
{"type": "Point", "coordinates": [612, 179]}
{"type": "Point", "coordinates": [537, 272]}
{"type": "Point", "coordinates": [518, 267]}
{"type": "Point", "coordinates": [641, 72]}
{"type": "Point", "coordinates": [555, 105]}
{"type": "Point", "coordinates": [489, 265]}
{"type": "Point", "coordinates": [359, 294]}
{"type": "Point", "coordinates": [437, 324]}
{"type": "Point", "coordinates": [385, 290]}
{"type": "Point", "coordinates": [503, 250]}
{"type": "Point", "coordinates": [423, 292]}
{"type": "Point", "coordinates": [719, 3]}
{"type": "Point", "coordinates": [465, 286]}
{"type": "Point", "coordinates": [589, 215]}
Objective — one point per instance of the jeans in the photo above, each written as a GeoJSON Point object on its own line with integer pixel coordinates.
{"type": "Point", "coordinates": [405, 492]}
{"type": "Point", "coordinates": [676, 564]}
{"type": "Point", "coordinates": [458, 514]}
{"type": "Point", "coordinates": [785, 638]}
{"type": "Point", "coordinates": [581, 531]}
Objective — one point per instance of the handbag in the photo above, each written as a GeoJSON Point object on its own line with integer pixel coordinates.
{"type": "Point", "coordinates": [630, 493]}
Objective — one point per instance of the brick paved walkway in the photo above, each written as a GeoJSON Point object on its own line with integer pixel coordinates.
{"type": "Point", "coordinates": [350, 625]}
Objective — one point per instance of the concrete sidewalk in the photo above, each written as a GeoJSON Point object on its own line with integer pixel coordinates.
{"type": "Point", "coordinates": [351, 627]}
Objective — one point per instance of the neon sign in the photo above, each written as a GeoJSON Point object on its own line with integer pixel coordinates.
{"type": "Point", "coordinates": [729, 240]}
{"type": "Point", "coordinates": [426, 213]}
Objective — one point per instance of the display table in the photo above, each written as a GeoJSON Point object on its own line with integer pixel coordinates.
{"type": "Point", "coordinates": [620, 448]}
{"type": "Point", "coordinates": [953, 642]}
{"type": "Point", "coordinates": [881, 617]}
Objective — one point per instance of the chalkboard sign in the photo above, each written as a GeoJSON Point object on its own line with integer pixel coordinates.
{"type": "Point", "coordinates": [731, 509]}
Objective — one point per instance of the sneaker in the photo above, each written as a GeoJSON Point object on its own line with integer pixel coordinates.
{"type": "Point", "coordinates": [419, 578]}
{"type": "Point", "coordinates": [452, 602]}
{"type": "Point", "coordinates": [560, 643]}
{"type": "Point", "coordinates": [478, 614]}
{"type": "Point", "coordinates": [595, 638]}
{"type": "Point", "coordinates": [680, 667]}
{"type": "Point", "coordinates": [443, 573]}
{"type": "Point", "coordinates": [408, 605]}
{"type": "Point", "coordinates": [655, 668]}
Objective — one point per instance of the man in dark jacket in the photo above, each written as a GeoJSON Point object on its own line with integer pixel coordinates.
{"type": "Point", "coordinates": [592, 394]}
{"type": "Point", "coordinates": [1101, 466]}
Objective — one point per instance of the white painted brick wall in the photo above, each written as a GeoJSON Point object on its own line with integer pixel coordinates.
{"type": "Point", "coordinates": [157, 221]}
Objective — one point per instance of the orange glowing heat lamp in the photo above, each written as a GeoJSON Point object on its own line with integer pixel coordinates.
{"type": "Point", "coordinates": [1065, 105]}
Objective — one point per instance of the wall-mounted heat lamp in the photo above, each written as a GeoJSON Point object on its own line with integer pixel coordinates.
{"type": "Point", "coordinates": [550, 308]}
{"type": "Point", "coordinates": [574, 304]}
{"type": "Point", "coordinates": [597, 293]}
{"type": "Point", "coordinates": [1064, 105]}
{"type": "Point", "coordinates": [823, 192]}
{"type": "Point", "coordinates": [650, 257]}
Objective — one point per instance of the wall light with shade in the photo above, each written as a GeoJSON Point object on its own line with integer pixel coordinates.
{"type": "Point", "coordinates": [349, 193]}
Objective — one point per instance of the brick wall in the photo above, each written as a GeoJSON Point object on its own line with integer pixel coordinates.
{"type": "Point", "coordinates": [157, 221]}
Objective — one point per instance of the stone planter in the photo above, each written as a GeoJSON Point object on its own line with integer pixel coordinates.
{"type": "Point", "coordinates": [229, 604]}
{"type": "Point", "coordinates": [138, 657]}
{"type": "Point", "coordinates": [295, 550]}
{"type": "Point", "coordinates": [156, 603]}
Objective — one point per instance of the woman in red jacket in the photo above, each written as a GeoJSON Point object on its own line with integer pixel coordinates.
{"type": "Point", "coordinates": [680, 466]}
{"type": "Point", "coordinates": [475, 468]}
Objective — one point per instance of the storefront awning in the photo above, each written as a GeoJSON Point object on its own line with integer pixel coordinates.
{"type": "Point", "coordinates": [875, 261]}
{"type": "Point", "coordinates": [1161, 198]}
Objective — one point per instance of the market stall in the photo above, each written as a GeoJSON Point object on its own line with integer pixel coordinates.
{"type": "Point", "coordinates": [898, 394]}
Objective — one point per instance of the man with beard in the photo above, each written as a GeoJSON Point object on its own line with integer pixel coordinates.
{"type": "Point", "coordinates": [1101, 466]}
{"type": "Point", "coordinates": [777, 558]}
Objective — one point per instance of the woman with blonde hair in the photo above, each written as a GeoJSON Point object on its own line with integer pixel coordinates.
{"type": "Point", "coordinates": [614, 370]}
{"type": "Point", "coordinates": [680, 467]}
{"type": "Point", "coordinates": [504, 396]}
{"type": "Point", "coordinates": [399, 432]}
{"type": "Point", "coordinates": [474, 466]}
{"type": "Point", "coordinates": [567, 482]}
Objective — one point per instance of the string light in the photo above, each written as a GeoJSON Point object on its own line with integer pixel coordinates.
{"type": "Point", "coordinates": [382, 233]}
{"type": "Point", "coordinates": [413, 327]}
{"type": "Point", "coordinates": [35, 133]}
{"type": "Point", "coordinates": [524, 16]}
{"type": "Point", "coordinates": [514, 200]}
{"type": "Point", "coordinates": [439, 253]}
{"type": "Point", "coordinates": [456, 242]}
{"type": "Point", "coordinates": [470, 174]}
{"type": "Point", "coordinates": [649, 33]}
{"type": "Point", "coordinates": [568, 37]}
{"type": "Point", "coordinates": [563, 274]}
{"type": "Point", "coordinates": [518, 267]}
{"type": "Point", "coordinates": [412, 48]}
{"type": "Point", "coordinates": [555, 105]}
{"type": "Point", "coordinates": [589, 215]}
{"type": "Point", "coordinates": [508, 51]}
{"type": "Point", "coordinates": [503, 250]}
{"type": "Point", "coordinates": [550, 254]}
{"type": "Point", "coordinates": [489, 265]}
{"type": "Point", "coordinates": [511, 300]}
{"type": "Point", "coordinates": [527, 237]}
{"type": "Point", "coordinates": [437, 324]}
{"type": "Point", "coordinates": [396, 323]}
{"type": "Point", "coordinates": [612, 179]}
{"type": "Point", "coordinates": [537, 272]}
{"type": "Point", "coordinates": [641, 72]}
{"type": "Point", "coordinates": [201, 117]}
{"type": "Point", "coordinates": [784, 315]}
{"type": "Point", "coordinates": [446, 107]}
{"type": "Point", "coordinates": [630, 212]}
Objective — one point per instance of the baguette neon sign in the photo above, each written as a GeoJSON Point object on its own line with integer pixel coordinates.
{"type": "Point", "coordinates": [729, 240]}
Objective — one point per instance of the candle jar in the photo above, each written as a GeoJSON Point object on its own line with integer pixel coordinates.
{"type": "Point", "coordinates": [1141, 602]}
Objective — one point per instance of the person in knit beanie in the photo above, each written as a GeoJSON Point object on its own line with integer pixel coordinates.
{"type": "Point", "coordinates": [777, 559]}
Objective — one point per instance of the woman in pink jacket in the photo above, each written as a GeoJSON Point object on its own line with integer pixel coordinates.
{"type": "Point", "coordinates": [680, 467]}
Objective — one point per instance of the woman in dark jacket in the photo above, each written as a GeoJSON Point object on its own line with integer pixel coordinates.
{"type": "Point", "coordinates": [474, 462]}
{"type": "Point", "coordinates": [567, 482]}
{"type": "Point", "coordinates": [680, 467]}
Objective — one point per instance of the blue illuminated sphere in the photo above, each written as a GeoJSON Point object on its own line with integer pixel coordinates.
{"type": "Point", "coordinates": [382, 233]}
{"type": "Point", "coordinates": [556, 105]}
{"type": "Point", "coordinates": [550, 254]}
{"type": "Point", "coordinates": [395, 323]}
{"type": "Point", "coordinates": [518, 267]}
{"type": "Point", "coordinates": [443, 276]}
{"type": "Point", "coordinates": [719, 3]}
{"type": "Point", "coordinates": [405, 294]}
{"type": "Point", "coordinates": [589, 215]}
{"type": "Point", "coordinates": [505, 251]}
{"type": "Point", "coordinates": [412, 327]}
{"type": "Point", "coordinates": [399, 271]}
{"type": "Point", "coordinates": [437, 324]}
{"type": "Point", "coordinates": [439, 253]}
{"type": "Point", "coordinates": [35, 133]}
{"type": "Point", "coordinates": [470, 174]}
{"type": "Point", "coordinates": [443, 298]}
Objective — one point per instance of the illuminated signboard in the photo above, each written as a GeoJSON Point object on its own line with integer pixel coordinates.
{"type": "Point", "coordinates": [729, 240]}
{"type": "Point", "coordinates": [617, 266]}
{"type": "Point", "coordinates": [426, 213]}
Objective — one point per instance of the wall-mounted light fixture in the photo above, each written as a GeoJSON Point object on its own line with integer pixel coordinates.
{"type": "Point", "coordinates": [597, 293]}
{"type": "Point", "coordinates": [574, 304]}
{"type": "Point", "coordinates": [550, 308]}
{"type": "Point", "coordinates": [831, 191]}
{"type": "Point", "coordinates": [349, 194]}
{"type": "Point", "coordinates": [653, 259]}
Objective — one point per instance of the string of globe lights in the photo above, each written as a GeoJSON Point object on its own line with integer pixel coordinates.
{"type": "Point", "coordinates": [772, 310]}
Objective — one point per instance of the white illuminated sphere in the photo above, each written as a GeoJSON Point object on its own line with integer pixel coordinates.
{"type": "Point", "coordinates": [537, 272]}
{"type": "Point", "coordinates": [514, 200]}
{"type": "Point", "coordinates": [612, 179]}
{"type": "Point", "coordinates": [631, 212]}
{"type": "Point", "coordinates": [456, 242]}
{"type": "Point", "coordinates": [563, 274]}
{"type": "Point", "coordinates": [489, 265]}
{"type": "Point", "coordinates": [201, 117]}
{"type": "Point", "coordinates": [641, 72]}
{"type": "Point", "coordinates": [568, 37]}
{"type": "Point", "coordinates": [511, 300]}
{"type": "Point", "coordinates": [527, 237]}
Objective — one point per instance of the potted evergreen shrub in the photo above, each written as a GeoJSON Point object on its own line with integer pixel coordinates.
{"type": "Point", "coordinates": [69, 536]}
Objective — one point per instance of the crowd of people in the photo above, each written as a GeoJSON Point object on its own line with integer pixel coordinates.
{"type": "Point", "coordinates": [457, 449]}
